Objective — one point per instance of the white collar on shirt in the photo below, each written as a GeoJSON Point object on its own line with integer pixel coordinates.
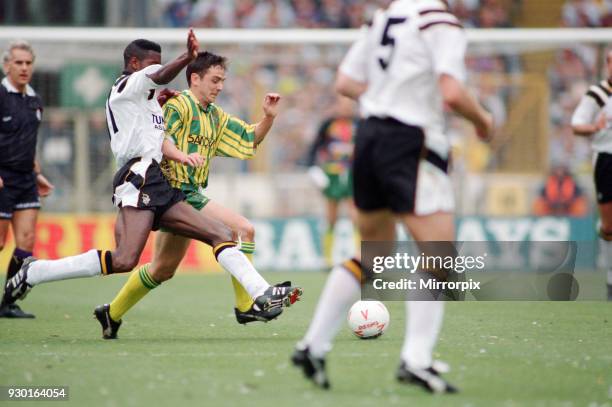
{"type": "Point", "coordinates": [9, 86]}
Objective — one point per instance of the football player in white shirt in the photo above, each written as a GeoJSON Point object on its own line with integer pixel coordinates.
{"type": "Point", "coordinates": [592, 118]}
{"type": "Point", "coordinates": [403, 69]}
{"type": "Point", "coordinates": [145, 199]}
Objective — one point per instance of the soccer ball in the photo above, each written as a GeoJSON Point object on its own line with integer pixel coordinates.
{"type": "Point", "coordinates": [368, 319]}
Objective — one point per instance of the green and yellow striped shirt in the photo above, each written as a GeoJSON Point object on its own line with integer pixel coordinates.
{"type": "Point", "coordinates": [208, 131]}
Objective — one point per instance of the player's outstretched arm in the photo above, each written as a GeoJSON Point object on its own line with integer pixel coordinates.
{"type": "Point", "coordinates": [460, 100]}
{"type": "Point", "coordinates": [270, 109]}
{"type": "Point", "coordinates": [171, 152]}
{"type": "Point", "coordinates": [169, 71]}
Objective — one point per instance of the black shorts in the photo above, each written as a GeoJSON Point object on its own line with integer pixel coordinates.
{"type": "Point", "coordinates": [20, 192]}
{"type": "Point", "coordinates": [603, 177]}
{"type": "Point", "coordinates": [141, 184]}
{"type": "Point", "coordinates": [386, 164]}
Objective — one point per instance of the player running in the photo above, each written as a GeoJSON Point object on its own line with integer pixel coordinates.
{"type": "Point", "coordinates": [403, 69]}
{"type": "Point", "coordinates": [194, 123]}
{"type": "Point", "coordinates": [592, 118]}
{"type": "Point", "coordinates": [145, 199]}
{"type": "Point", "coordinates": [329, 161]}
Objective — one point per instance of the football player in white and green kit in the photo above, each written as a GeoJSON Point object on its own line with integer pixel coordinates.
{"type": "Point", "coordinates": [329, 161]}
{"type": "Point", "coordinates": [195, 124]}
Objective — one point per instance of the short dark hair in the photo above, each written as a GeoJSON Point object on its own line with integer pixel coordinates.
{"type": "Point", "coordinates": [203, 61]}
{"type": "Point", "coordinates": [139, 49]}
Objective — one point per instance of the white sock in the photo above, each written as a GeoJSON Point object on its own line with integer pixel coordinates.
{"type": "Point", "coordinates": [340, 292]}
{"type": "Point", "coordinates": [239, 266]}
{"type": "Point", "coordinates": [83, 265]}
{"type": "Point", "coordinates": [424, 320]}
{"type": "Point", "coordinates": [608, 252]}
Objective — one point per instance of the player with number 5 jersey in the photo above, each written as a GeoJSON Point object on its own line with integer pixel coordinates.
{"type": "Point", "coordinates": [404, 67]}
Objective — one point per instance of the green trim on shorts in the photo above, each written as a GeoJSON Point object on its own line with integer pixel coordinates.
{"type": "Point", "coordinates": [340, 186]}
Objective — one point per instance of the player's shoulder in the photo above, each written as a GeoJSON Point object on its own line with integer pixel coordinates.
{"type": "Point", "coordinates": [148, 70]}
{"type": "Point", "coordinates": [431, 13]}
{"type": "Point", "coordinates": [604, 86]}
{"type": "Point", "coordinates": [409, 6]}
{"type": "Point", "coordinates": [600, 92]}
{"type": "Point", "coordinates": [178, 102]}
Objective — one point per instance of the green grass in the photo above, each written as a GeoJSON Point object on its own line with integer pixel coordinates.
{"type": "Point", "coordinates": [182, 346]}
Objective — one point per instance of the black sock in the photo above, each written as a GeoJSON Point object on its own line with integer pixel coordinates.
{"type": "Point", "coordinates": [17, 259]}
{"type": "Point", "coordinates": [15, 264]}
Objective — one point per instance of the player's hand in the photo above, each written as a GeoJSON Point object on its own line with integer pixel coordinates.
{"type": "Point", "coordinates": [485, 129]}
{"type": "Point", "coordinates": [318, 177]}
{"type": "Point", "coordinates": [270, 104]}
{"type": "Point", "coordinates": [193, 160]}
{"type": "Point", "coordinates": [193, 46]}
{"type": "Point", "coordinates": [44, 186]}
{"type": "Point", "coordinates": [1, 183]}
{"type": "Point", "coordinates": [166, 94]}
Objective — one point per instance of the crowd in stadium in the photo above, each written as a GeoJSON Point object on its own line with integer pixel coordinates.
{"type": "Point", "coordinates": [306, 81]}
{"type": "Point", "coordinates": [587, 13]}
{"type": "Point", "coordinates": [309, 13]}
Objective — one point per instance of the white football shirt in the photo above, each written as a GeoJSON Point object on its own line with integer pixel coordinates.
{"type": "Point", "coordinates": [134, 118]}
{"type": "Point", "coordinates": [595, 102]}
{"type": "Point", "coordinates": [400, 57]}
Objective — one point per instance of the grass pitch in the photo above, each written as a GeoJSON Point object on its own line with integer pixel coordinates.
{"type": "Point", "coordinates": [182, 346]}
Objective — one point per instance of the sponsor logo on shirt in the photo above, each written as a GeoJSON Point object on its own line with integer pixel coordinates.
{"type": "Point", "coordinates": [158, 121]}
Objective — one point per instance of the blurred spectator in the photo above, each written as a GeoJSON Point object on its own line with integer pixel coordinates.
{"type": "Point", "coordinates": [581, 13]}
{"type": "Point", "coordinates": [560, 196]}
{"type": "Point", "coordinates": [309, 13]}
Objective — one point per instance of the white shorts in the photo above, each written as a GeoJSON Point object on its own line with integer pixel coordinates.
{"type": "Point", "coordinates": [434, 190]}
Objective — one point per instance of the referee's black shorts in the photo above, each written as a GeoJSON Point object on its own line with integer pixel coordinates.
{"type": "Point", "coordinates": [141, 184]}
{"type": "Point", "coordinates": [386, 164]}
{"type": "Point", "coordinates": [19, 192]}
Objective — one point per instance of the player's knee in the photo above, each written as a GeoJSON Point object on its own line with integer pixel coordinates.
{"type": "Point", "coordinates": [123, 263]}
{"type": "Point", "coordinates": [246, 231]}
{"type": "Point", "coordinates": [221, 234]}
{"type": "Point", "coordinates": [605, 232]}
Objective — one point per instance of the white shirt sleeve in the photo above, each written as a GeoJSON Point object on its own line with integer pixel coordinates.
{"type": "Point", "coordinates": [447, 45]}
{"type": "Point", "coordinates": [354, 63]}
{"type": "Point", "coordinates": [140, 82]}
{"type": "Point", "coordinates": [586, 112]}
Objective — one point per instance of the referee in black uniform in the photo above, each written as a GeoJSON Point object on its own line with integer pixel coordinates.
{"type": "Point", "coordinates": [21, 182]}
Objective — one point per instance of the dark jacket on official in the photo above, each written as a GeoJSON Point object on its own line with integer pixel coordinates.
{"type": "Point", "coordinates": [20, 116]}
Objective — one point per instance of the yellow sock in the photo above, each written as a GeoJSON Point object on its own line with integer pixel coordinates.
{"type": "Point", "coordinates": [243, 299]}
{"type": "Point", "coordinates": [328, 246]}
{"type": "Point", "coordinates": [137, 286]}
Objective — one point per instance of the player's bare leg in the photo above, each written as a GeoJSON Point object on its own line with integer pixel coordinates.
{"type": "Point", "coordinates": [137, 223]}
{"type": "Point", "coordinates": [340, 292]}
{"type": "Point", "coordinates": [424, 318]}
{"type": "Point", "coordinates": [244, 232]}
{"type": "Point", "coordinates": [23, 223]}
{"type": "Point", "coordinates": [186, 221]}
{"type": "Point", "coordinates": [23, 249]}
{"type": "Point", "coordinates": [332, 207]}
{"type": "Point", "coordinates": [169, 251]}
{"type": "Point", "coordinates": [605, 234]}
